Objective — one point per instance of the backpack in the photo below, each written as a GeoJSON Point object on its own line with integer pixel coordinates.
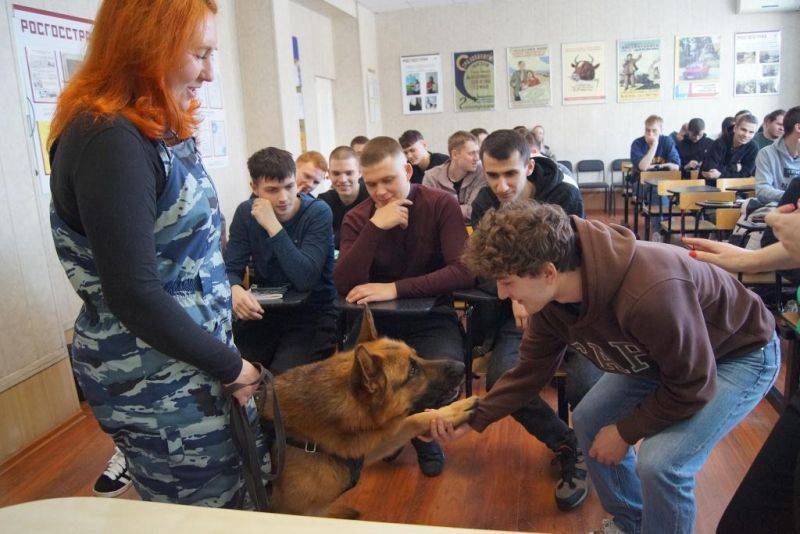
{"type": "Point", "coordinates": [750, 228]}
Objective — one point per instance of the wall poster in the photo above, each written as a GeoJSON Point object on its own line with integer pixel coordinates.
{"type": "Point", "coordinates": [638, 70]}
{"type": "Point", "coordinates": [50, 48]}
{"type": "Point", "coordinates": [421, 78]}
{"type": "Point", "coordinates": [697, 66]}
{"type": "Point", "coordinates": [528, 76]}
{"type": "Point", "coordinates": [474, 80]}
{"type": "Point", "coordinates": [583, 73]}
{"type": "Point", "coordinates": [758, 63]}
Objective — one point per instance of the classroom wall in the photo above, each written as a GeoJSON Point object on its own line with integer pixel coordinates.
{"type": "Point", "coordinates": [602, 131]}
{"type": "Point", "coordinates": [368, 43]}
{"type": "Point", "coordinates": [38, 302]}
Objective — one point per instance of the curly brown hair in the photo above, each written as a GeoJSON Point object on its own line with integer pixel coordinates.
{"type": "Point", "coordinates": [520, 238]}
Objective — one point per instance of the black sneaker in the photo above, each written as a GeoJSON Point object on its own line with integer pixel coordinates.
{"type": "Point", "coordinates": [430, 457]}
{"type": "Point", "coordinates": [573, 487]}
{"type": "Point", "coordinates": [115, 479]}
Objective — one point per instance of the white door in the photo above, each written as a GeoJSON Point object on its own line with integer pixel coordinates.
{"type": "Point", "coordinates": [325, 123]}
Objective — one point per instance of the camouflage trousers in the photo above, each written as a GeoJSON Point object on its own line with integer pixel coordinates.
{"type": "Point", "coordinates": [174, 429]}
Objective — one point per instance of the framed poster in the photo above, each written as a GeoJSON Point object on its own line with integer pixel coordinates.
{"type": "Point", "coordinates": [528, 70]}
{"type": "Point", "coordinates": [638, 70]}
{"type": "Point", "coordinates": [583, 73]}
{"type": "Point", "coordinates": [697, 66]}
{"type": "Point", "coordinates": [421, 78]}
{"type": "Point", "coordinates": [474, 80]}
{"type": "Point", "coordinates": [757, 70]}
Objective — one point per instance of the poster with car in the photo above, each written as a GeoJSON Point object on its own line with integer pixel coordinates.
{"type": "Point", "coordinates": [421, 78]}
{"type": "Point", "coordinates": [697, 66]}
{"type": "Point", "coordinates": [474, 80]}
{"type": "Point", "coordinates": [638, 70]}
{"type": "Point", "coordinates": [757, 70]}
{"type": "Point", "coordinates": [583, 73]}
{"type": "Point", "coordinates": [528, 69]}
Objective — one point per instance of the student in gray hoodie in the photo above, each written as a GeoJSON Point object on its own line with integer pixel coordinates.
{"type": "Point", "coordinates": [779, 163]}
{"type": "Point", "coordinates": [463, 175]}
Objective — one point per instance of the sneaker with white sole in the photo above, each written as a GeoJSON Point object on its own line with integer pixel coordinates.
{"type": "Point", "coordinates": [115, 479]}
{"type": "Point", "coordinates": [609, 527]}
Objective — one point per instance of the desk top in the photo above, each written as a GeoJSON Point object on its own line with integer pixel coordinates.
{"type": "Point", "coordinates": [289, 300]}
{"type": "Point", "coordinates": [716, 204]}
{"type": "Point", "coordinates": [694, 189]}
{"type": "Point", "coordinates": [474, 295]}
{"type": "Point", "coordinates": [741, 188]}
{"type": "Point", "coordinates": [409, 306]}
{"type": "Point", "coordinates": [124, 516]}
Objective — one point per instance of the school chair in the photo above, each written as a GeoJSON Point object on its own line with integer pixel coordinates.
{"type": "Point", "coordinates": [594, 166]}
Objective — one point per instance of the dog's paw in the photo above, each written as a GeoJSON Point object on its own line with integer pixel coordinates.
{"type": "Point", "coordinates": [460, 411]}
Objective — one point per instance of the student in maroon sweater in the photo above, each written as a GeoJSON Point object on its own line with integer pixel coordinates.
{"type": "Point", "coordinates": [687, 350]}
{"type": "Point", "coordinates": [405, 241]}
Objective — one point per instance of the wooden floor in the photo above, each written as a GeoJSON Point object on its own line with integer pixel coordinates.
{"type": "Point", "coordinates": [501, 479]}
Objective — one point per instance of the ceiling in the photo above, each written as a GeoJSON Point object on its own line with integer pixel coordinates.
{"type": "Point", "coordinates": [381, 6]}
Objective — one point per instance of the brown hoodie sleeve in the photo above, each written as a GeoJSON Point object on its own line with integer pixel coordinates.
{"type": "Point", "coordinates": [676, 338]}
{"type": "Point", "coordinates": [540, 355]}
{"type": "Point", "coordinates": [358, 242]}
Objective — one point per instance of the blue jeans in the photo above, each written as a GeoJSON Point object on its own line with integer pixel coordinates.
{"type": "Point", "coordinates": [653, 491]}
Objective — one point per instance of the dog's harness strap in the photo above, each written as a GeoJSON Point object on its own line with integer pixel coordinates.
{"type": "Point", "coordinates": [245, 440]}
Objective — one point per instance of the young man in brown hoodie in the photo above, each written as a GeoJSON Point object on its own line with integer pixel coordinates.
{"type": "Point", "coordinates": [405, 240]}
{"type": "Point", "coordinates": [687, 350]}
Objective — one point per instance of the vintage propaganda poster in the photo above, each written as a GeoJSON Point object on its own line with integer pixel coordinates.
{"type": "Point", "coordinates": [421, 78]}
{"type": "Point", "coordinates": [638, 70]}
{"type": "Point", "coordinates": [758, 63]}
{"type": "Point", "coordinates": [583, 73]}
{"type": "Point", "coordinates": [528, 69]}
{"type": "Point", "coordinates": [474, 80]}
{"type": "Point", "coordinates": [697, 66]}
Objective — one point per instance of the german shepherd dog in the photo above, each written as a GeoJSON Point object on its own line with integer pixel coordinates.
{"type": "Point", "coordinates": [353, 408]}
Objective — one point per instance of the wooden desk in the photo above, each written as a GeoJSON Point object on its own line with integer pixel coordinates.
{"type": "Point", "coordinates": [122, 516]}
{"type": "Point", "coordinates": [693, 189]}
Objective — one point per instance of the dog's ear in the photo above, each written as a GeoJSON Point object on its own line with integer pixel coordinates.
{"type": "Point", "coordinates": [368, 372]}
{"type": "Point", "coordinates": [368, 331]}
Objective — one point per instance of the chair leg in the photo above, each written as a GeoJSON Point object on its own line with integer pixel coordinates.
{"type": "Point", "coordinates": [468, 350]}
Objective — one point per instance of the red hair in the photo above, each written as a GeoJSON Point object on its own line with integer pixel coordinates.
{"type": "Point", "coordinates": [134, 44]}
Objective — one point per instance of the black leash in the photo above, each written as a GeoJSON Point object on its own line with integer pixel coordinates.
{"type": "Point", "coordinates": [245, 439]}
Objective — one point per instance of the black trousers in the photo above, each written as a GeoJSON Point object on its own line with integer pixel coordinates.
{"type": "Point", "coordinates": [767, 499]}
{"type": "Point", "coordinates": [434, 335]}
{"type": "Point", "coordinates": [287, 338]}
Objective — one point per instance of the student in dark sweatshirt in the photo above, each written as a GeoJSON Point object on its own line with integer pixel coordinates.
{"type": "Point", "coordinates": [688, 352]}
{"type": "Point", "coordinates": [348, 189]}
{"type": "Point", "coordinates": [288, 238]}
{"type": "Point", "coordinates": [692, 148]}
{"type": "Point", "coordinates": [406, 240]}
{"type": "Point", "coordinates": [733, 156]}
{"type": "Point", "coordinates": [512, 175]}
{"type": "Point", "coordinates": [421, 159]}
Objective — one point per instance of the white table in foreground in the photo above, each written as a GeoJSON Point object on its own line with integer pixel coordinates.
{"type": "Point", "coordinates": [123, 516]}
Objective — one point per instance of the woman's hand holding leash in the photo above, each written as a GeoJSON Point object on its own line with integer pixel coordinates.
{"type": "Point", "coordinates": [249, 377]}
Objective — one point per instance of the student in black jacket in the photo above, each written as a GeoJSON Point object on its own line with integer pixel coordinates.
{"type": "Point", "coordinates": [348, 189]}
{"type": "Point", "coordinates": [692, 148]}
{"type": "Point", "coordinates": [421, 159]}
{"type": "Point", "coordinates": [733, 156]}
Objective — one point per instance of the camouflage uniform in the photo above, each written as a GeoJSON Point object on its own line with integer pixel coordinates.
{"type": "Point", "coordinates": [167, 416]}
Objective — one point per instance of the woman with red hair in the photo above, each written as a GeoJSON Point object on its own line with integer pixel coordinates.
{"type": "Point", "coordinates": [136, 224]}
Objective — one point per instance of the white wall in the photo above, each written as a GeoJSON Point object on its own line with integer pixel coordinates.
{"type": "Point", "coordinates": [575, 132]}
{"type": "Point", "coordinates": [368, 46]}
{"type": "Point", "coordinates": [38, 302]}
